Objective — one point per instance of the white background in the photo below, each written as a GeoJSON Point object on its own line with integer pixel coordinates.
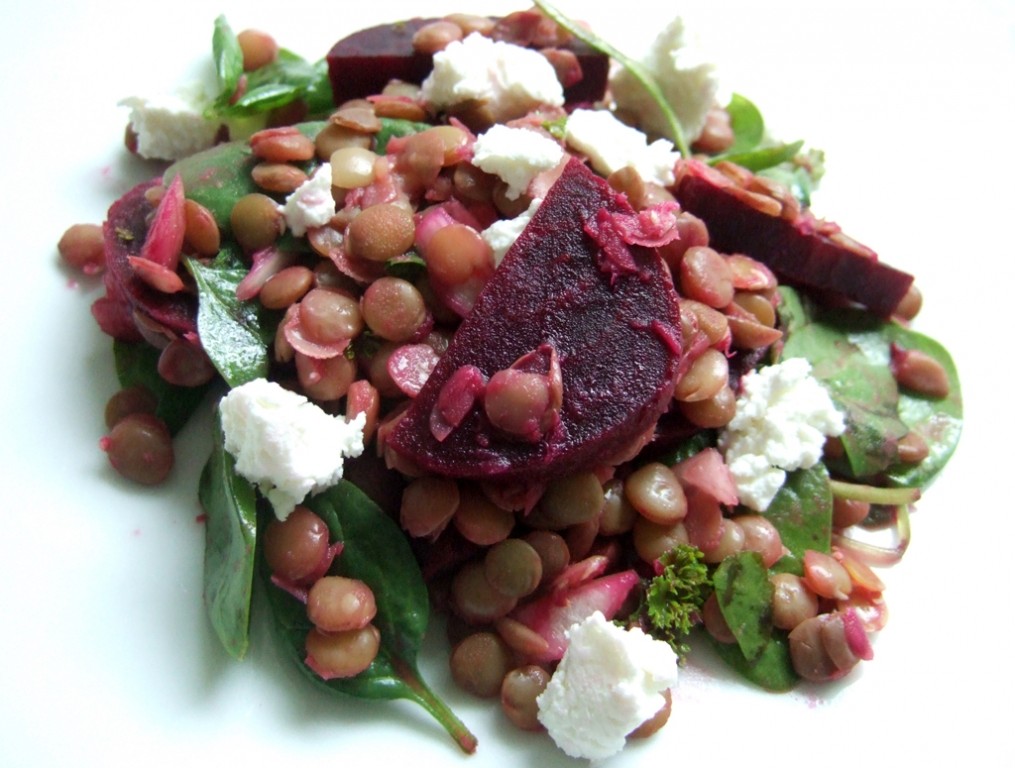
{"type": "Point", "coordinates": [106, 658]}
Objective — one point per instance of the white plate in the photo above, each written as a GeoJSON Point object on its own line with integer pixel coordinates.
{"type": "Point", "coordinates": [107, 658]}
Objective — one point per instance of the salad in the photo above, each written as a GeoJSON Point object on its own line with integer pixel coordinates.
{"type": "Point", "coordinates": [529, 453]}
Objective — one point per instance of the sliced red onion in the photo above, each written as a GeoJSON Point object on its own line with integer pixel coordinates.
{"type": "Point", "coordinates": [164, 241]}
{"type": "Point", "coordinates": [266, 263]}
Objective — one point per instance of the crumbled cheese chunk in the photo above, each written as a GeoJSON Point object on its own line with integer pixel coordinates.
{"type": "Point", "coordinates": [509, 79]}
{"type": "Point", "coordinates": [686, 76]}
{"type": "Point", "coordinates": [611, 145]}
{"type": "Point", "coordinates": [172, 126]}
{"type": "Point", "coordinates": [783, 415]}
{"type": "Point", "coordinates": [311, 204]}
{"type": "Point", "coordinates": [285, 444]}
{"type": "Point", "coordinates": [501, 235]}
{"type": "Point", "coordinates": [516, 155]}
{"type": "Point", "coordinates": [609, 682]}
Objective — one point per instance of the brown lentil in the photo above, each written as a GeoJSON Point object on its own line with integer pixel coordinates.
{"type": "Point", "coordinates": [651, 540]}
{"type": "Point", "coordinates": [706, 277]}
{"type": "Point", "coordinates": [201, 234]}
{"type": "Point", "coordinates": [479, 663]}
{"type": "Point", "coordinates": [712, 413]}
{"type": "Point", "coordinates": [185, 364]}
{"type": "Point", "coordinates": [381, 232]}
{"type": "Point", "coordinates": [393, 308]}
{"type": "Point", "coordinates": [334, 137]}
{"type": "Point", "coordinates": [480, 520]}
{"type": "Point", "coordinates": [474, 599]}
{"type": "Point", "coordinates": [792, 601]}
{"type": "Point", "coordinates": [256, 221]}
{"type": "Point", "coordinates": [286, 287]}
{"type": "Point", "coordinates": [436, 36]}
{"type": "Point", "coordinates": [327, 379]}
{"type": "Point", "coordinates": [731, 541]}
{"type": "Point", "coordinates": [571, 500]}
{"type": "Point", "coordinates": [654, 491]}
{"type": "Point", "coordinates": [826, 576]}
{"type": "Point", "coordinates": [714, 621]}
{"type": "Point", "coordinates": [295, 548]}
{"type": "Point", "coordinates": [518, 693]}
{"type": "Point", "coordinates": [140, 448]}
{"type": "Point", "coordinates": [352, 167]}
{"type": "Point", "coordinates": [917, 371]}
{"type": "Point", "coordinates": [454, 253]}
{"type": "Point", "coordinates": [259, 49]}
{"type": "Point", "coordinates": [913, 448]}
{"type": "Point", "coordinates": [708, 374]}
{"type": "Point", "coordinates": [553, 552]}
{"type": "Point", "coordinates": [329, 316]}
{"type": "Point", "coordinates": [280, 178]}
{"type": "Point", "coordinates": [343, 654]}
{"type": "Point", "coordinates": [338, 604]}
{"type": "Point", "coordinates": [82, 247]}
{"type": "Point", "coordinates": [136, 399]}
{"type": "Point", "coordinates": [657, 721]}
{"type": "Point", "coordinates": [282, 145]}
{"type": "Point", "coordinates": [761, 536]}
{"type": "Point", "coordinates": [513, 567]}
{"type": "Point", "coordinates": [428, 504]}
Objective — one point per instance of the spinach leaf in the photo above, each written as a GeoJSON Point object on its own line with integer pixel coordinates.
{"type": "Point", "coordinates": [395, 127]}
{"type": "Point", "coordinates": [288, 79]}
{"type": "Point", "coordinates": [744, 594]}
{"type": "Point", "coordinates": [850, 353]}
{"type": "Point", "coordinates": [802, 512]}
{"type": "Point", "coordinates": [236, 334]}
{"type": "Point", "coordinates": [228, 58]}
{"type": "Point", "coordinates": [218, 177]}
{"type": "Point", "coordinates": [747, 123]}
{"type": "Point", "coordinates": [375, 551]}
{"type": "Point", "coordinates": [230, 506]}
{"type": "Point", "coordinates": [772, 669]}
{"type": "Point", "coordinates": [137, 365]}
{"type": "Point", "coordinates": [760, 158]}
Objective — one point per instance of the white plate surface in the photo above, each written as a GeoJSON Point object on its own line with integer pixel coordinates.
{"type": "Point", "coordinates": [107, 658]}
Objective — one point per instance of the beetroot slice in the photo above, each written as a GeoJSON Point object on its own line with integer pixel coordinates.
{"type": "Point", "coordinates": [361, 64]}
{"type": "Point", "coordinates": [127, 295]}
{"type": "Point", "coordinates": [617, 338]}
{"type": "Point", "coordinates": [799, 250]}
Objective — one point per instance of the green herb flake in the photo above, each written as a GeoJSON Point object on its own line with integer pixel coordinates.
{"type": "Point", "coordinates": [674, 598]}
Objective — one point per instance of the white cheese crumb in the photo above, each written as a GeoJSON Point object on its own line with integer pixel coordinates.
{"type": "Point", "coordinates": [172, 126]}
{"type": "Point", "coordinates": [311, 204]}
{"type": "Point", "coordinates": [609, 682]}
{"type": "Point", "coordinates": [285, 444]}
{"type": "Point", "coordinates": [783, 415]}
{"type": "Point", "coordinates": [516, 155]}
{"type": "Point", "coordinates": [509, 79]}
{"type": "Point", "coordinates": [611, 145]}
{"type": "Point", "coordinates": [686, 76]}
{"type": "Point", "coordinates": [501, 235]}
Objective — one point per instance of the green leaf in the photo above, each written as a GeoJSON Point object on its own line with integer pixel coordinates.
{"type": "Point", "coordinates": [236, 334]}
{"type": "Point", "coordinates": [744, 595]}
{"type": "Point", "coordinates": [137, 365]}
{"type": "Point", "coordinates": [747, 123]}
{"type": "Point", "coordinates": [772, 669]}
{"type": "Point", "coordinates": [673, 598]}
{"type": "Point", "coordinates": [392, 127]}
{"type": "Point", "coordinates": [228, 59]}
{"type": "Point", "coordinates": [850, 352]}
{"type": "Point", "coordinates": [218, 177]}
{"type": "Point", "coordinates": [802, 512]}
{"type": "Point", "coordinates": [264, 98]}
{"type": "Point", "coordinates": [376, 552]}
{"type": "Point", "coordinates": [764, 157]}
{"type": "Point", "coordinates": [230, 506]}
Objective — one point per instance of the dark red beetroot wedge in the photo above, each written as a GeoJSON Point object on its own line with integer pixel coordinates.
{"type": "Point", "coordinates": [361, 64]}
{"type": "Point", "coordinates": [129, 299]}
{"type": "Point", "coordinates": [616, 338]}
{"type": "Point", "coordinates": [799, 250]}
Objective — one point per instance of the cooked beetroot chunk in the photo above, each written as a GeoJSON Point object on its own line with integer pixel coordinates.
{"type": "Point", "coordinates": [361, 64]}
{"type": "Point", "coordinates": [129, 299]}
{"type": "Point", "coordinates": [617, 339]}
{"type": "Point", "coordinates": [799, 250]}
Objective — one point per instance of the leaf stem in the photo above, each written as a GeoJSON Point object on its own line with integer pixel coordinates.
{"type": "Point", "coordinates": [641, 74]}
{"type": "Point", "coordinates": [873, 494]}
{"type": "Point", "coordinates": [435, 706]}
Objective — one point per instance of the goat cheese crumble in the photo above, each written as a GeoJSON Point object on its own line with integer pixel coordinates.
{"type": "Point", "coordinates": [611, 145]}
{"type": "Point", "coordinates": [783, 416]}
{"type": "Point", "coordinates": [172, 126]}
{"type": "Point", "coordinates": [684, 72]}
{"type": "Point", "coordinates": [311, 204]}
{"type": "Point", "coordinates": [610, 681]}
{"type": "Point", "coordinates": [507, 79]}
{"type": "Point", "coordinates": [516, 155]}
{"type": "Point", "coordinates": [285, 444]}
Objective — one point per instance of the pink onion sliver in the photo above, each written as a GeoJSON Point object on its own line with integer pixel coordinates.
{"type": "Point", "coordinates": [266, 263]}
{"type": "Point", "coordinates": [293, 330]}
{"type": "Point", "coordinates": [856, 636]}
{"type": "Point", "coordinates": [410, 365]}
{"type": "Point", "coordinates": [164, 241]}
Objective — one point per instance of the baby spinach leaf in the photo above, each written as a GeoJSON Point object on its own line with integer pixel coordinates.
{"type": "Point", "coordinates": [850, 352]}
{"type": "Point", "coordinates": [375, 551]}
{"type": "Point", "coordinates": [287, 79]}
{"type": "Point", "coordinates": [228, 59]}
{"type": "Point", "coordinates": [772, 669]}
{"type": "Point", "coordinates": [235, 334]}
{"type": "Point", "coordinates": [230, 506]}
{"type": "Point", "coordinates": [802, 512]}
{"type": "Point", "coordinates": [747, 123]}
{"type": "Point", "coordinates": [744, 594]}
{"type": "Point", "coordinates": [395, 127]}
{"type": "Point", "coordinates": [760, 158]}
{"type": "Point", "coordinates": [137, 365]}
{"type": "Point", "coordinates": [218, 177]}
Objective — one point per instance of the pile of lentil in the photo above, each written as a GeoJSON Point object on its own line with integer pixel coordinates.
{"type": "Point", "coordinates": [371, 301]}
